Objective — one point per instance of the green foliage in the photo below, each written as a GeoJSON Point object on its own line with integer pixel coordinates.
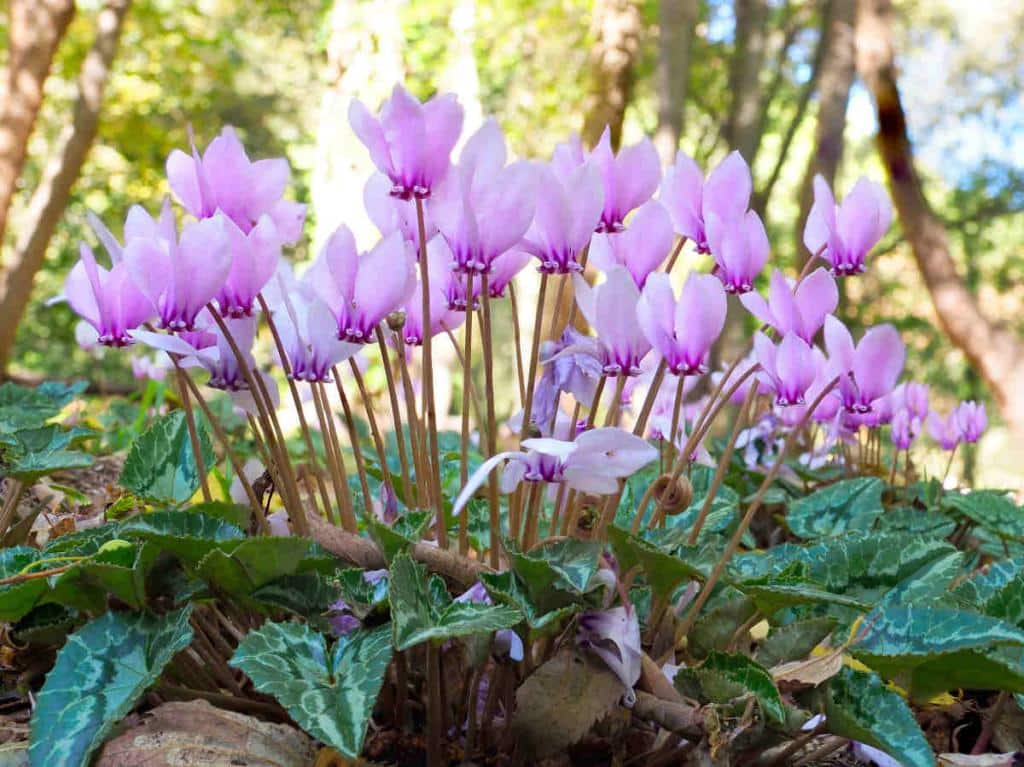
{"type": "Point", "coordinates": [329, 694]}
{"type": "Point", "coordinates": [851, 504]}
{"type": "Point", "coordinates": [99, 674]}
{"type": "Point", "coordinates": [422, 610]}
{"type": "Point", "coordinates": [29, 454]}
{"type": "Point", "coordinates": [991, 510]}
{"type": "Point", "coordinates": [23, 408]}
{"type": "Point", "coordinates": [160, 465]}
{"type": "Point", "coordinates": [723, 677]}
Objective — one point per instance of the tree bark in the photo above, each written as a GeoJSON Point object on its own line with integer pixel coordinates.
{"type": "Point", "coordinates": [835, 80]}
{"type": "Point", "coordinates": [50, 198]}
{"type": "Point", "coordinates": [617, 26]}
{"type": "Point", "coordinates": [677, 21]}
{"type": "Point", "coordinates": [34, 29]}
{"type": "Point", "coordinates": [995, 352]}
{"type": "Point", "coordinates": [743, 124]}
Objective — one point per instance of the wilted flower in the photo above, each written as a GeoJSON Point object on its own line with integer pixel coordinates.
{"type": "Point", "coordinates": [640, 248]}
{"type": "Point", "coordinates": [611, 310]}
{"type": "Point", "coordinates": [225, 181]}
{"type": "Point", "coordinates": [972, 420]}
{"type": "Point", "coordinates": [614, 636]}
{"type": "Point", "coordinates": [740, 249]}
{"type": "Point", "coordinates": [691, 200]}
{"type": "Point", "coordinates": [801, 310]}
{"type": "Point", "coordinates": [845, 234]}
{"type": "Point", "coordinates": [410, 142]}
{"type": "Point", "coordinates": [788, 368]}
{"type": "Point", "coordinates": [868, 371]}
{"type": "Point", "coordinates": [683, 331]}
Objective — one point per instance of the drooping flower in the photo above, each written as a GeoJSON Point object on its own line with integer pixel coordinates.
{"type": "Point", "coordinates": [107, 299]}
{"type": "Point", "coordinates": [614, 636]}
{"type": "Point", "coordinates": [788, 368]}
{"type": "Point", "coordinates": [801, 310]}
{"type": "Point", "coordinates": [592, 463]}
{"type": "Point", "coordinates": [224, 179]}
{"type": "Point", "coordinates": [640, 248]}
{"type": "Point", "coordinates": [630, 178]}
{"type": "Point", "coordinates": [683, 331]}
{"type": "Point", "coordinates": [564, 368]}
{"type": "Point", "coordinates": [691, 200]}
{"type": "Point", "coordinates": [254, 258]}
{"type": "Point", "coordinates": [179, 276]}
{"type": "Point", "coordinates": [567, 211]}
{"type": "Point", "coordinates": [740, 248]}
{"type": "Point", "coordinates": [484, 207]}
{"type": "Point", "coordinates": [845, 234]}
{"type": "Point", "coordinates": [362, 289]}
{"type": "Point", "coordinates": [868, 371]}
{"type": "Point", "coordinates": [972, 420]}
{"type": "Point", "coordinates": [945, 431]}
{"type": "Point", "coordinates": [410, 142]}
{"type": "Point", "coordinates": [611, 310]}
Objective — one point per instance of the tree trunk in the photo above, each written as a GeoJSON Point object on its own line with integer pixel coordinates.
{"type": "Point", "coordinates": [677, 21]}
{"type": "Point", "coordinates": [34, 29]}
{"type": "Point", "coordinates": [743, 124]}
{"type": "Point", "coordinates": [837, 72]}
{"type": "Point", "coordinates": [996, 353]}
{"type": "Point", "coordinates": [51, 197]}
{"type": "Point", "coordinates": [617, 25]}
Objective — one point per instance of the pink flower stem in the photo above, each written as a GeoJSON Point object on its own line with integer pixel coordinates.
{"type": "Point", "coordinates": [524, 432]}
{"type": "Point", "coordinates": [193, 433]}
{"type": "Point", "coordinates": [335, 462]}
{"type": "Point", "coordinates": [652, 395]}
{"type": "Point", "coordinates": [517, 341]}
{"type": "Point", "coordinates": [487, 340]}
{"type": "Point", "coordinates": [396, 415]}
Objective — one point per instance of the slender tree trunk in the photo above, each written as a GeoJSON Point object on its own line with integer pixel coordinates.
{"type": "Point", "coordinates": [34, 30]}
{"type": "Point", "coordinates": [617, 26]}
{"type": "Point", "coordinates": [51, 197]}
{"type": "Point", "coordinates": [677, 21]}
{"type": "Point", "coordinates": [996, 352]}
{"type": "Point", "coordinates": [837, 72]}
{"type": "Point", "coordinates": [743, 124]}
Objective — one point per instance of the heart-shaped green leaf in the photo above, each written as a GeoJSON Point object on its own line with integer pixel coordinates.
{"type": "Point", "coordinates": [160, 465]}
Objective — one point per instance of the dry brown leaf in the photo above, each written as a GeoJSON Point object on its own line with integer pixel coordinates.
{"type": "Point", "coordinates": [812, 671]}
{"type": "Point", "coordinates": [197, 733]}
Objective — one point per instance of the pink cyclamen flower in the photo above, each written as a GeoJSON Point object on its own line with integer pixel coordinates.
{"type": "Point", "coordinates": [179, 276]}
{"type": "Point", "coordinates": [972, 420]}
{"type": "Point", "coordinates": [254, 258]}
{"type": "Point", "coordinates": [447, 295]}
{"type": "Point", "coordinates": [506, 641]}
{"type": "Point", "coordinates": [740, 248]}
{"type": "Point", "coordinates": [224, 179]}
{"type": "Point", "coordinates": [503, 271]}
{"type": "Point", "coordinates": [567, 211]}
{"type": "Point", "coordinates": [611, 310]}
{"type": "Point", "coordinates": [868, 371]}
{"type": "Point", "coordinates": [614, 636]}
{"type": "Point", "coordinates": [911, 396]}
{"type": "Point", "coordinates": [630, 178]}
{"type": "Point", "coordinates": [362, 289]}
{"type": "Point", "coordinates": [484, 207]}
{"type": "Point", "coordinates": [946, 431]}
{"type": "Point", "coordinates": [801, 310]}
{"type": "Point", "coordinates": [788, 368]}
{"type": "Point", "coordinates": [452, 284]}
{"type": "Point", "coordinates": [410, 142]}
{"type": "Point", "coordinates": [845, 234]}
{"type": "Point", "coordinates": [905, 428]}
{"type": "Point", "coordinates": [592, 463]}
{"type": "Point", "coordinates": [691, 200]}
{"type": "Point", "coordinates": [107, 299]}
{"type": "Point", "coordinates": [390, 214]}
{"type": "Point", "coordinates": [683, 331]}
{"type": "Point", "coordinates": [641, 248]}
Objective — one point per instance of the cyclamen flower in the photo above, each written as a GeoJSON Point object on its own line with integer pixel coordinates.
{"type": "Point", "coordinates": [575, 372]}
{"type": "Point", "coordinates": [911, 396]}
{"type": "Point", "coordinates": [972, 420]}
{"type": "Point", "coordinates": [506, 641]}
{"type": "Point", "coordinates": [946, 431]}
{"type": "Point", "coordinates": [452, 284]}
{"type": "Point", "coordinates": [801, 310]}
{"type": "Point", "coordinates": [614, 636]}
{"type": "Point", "coordinates": [410, 142]}
{"type": "Point", "coordinates": [179, 276]}
{"type": "Point", "coordinates": [592, 463]}
{"type": "Point", "coordinates": [683, 331]}
{"type": "Point", "coordinates": [845, 234]}
{"type": "Point", "coordinates": [254, 258]}
{"type": "Point", "coordinates": [107, 299]}
{"type": "Point", "coordinates": [640, 248]}
{"type": "Point", "coordinates": [225, 180]}
{"type": "Point", "coordinates": [740, 248]}
{"type": "Point", "coordinates": [483, 208]}
{"type": "Point", "coordinates": [789, 368]}
{"type": "Point", "coordinates": [630, 178]}
{"type": "Point", "coordinates": [868, 371]}
{"type": "Point", "coordinates": [446, 290]}
{"type": "Point", "coordinates": [361, 290]}
{"type": "Point", "coordinates": [393, 214]}
{"type": "Point", "coordinates": [691, 200]}
{"type": "Point", "coordinates": [503, 271]}
{"type": "Point", "coordinates": [567, 211]}
{"type": "Point", "coordinates": [611, 310]}
{"type": "Point", "coordinates": [905, 428]}
{"type": "Point", "coordinates": [308, 334]}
